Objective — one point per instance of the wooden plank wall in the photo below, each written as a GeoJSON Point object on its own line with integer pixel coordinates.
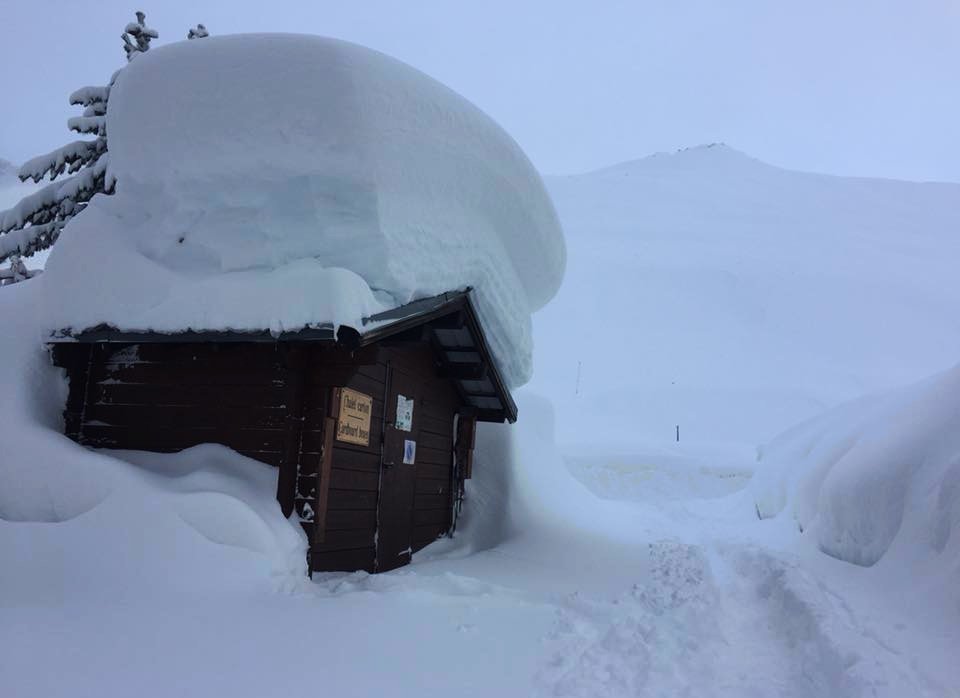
{"type": "Point", "coordinates": [351, 516]}
{"type": "Point", "coordinates": [167, 397]}
{"type": "Point", "coordinates": [250, 397]}
{"type": "Point", "coordinates": [436, 403]}
{"type": "Point", "coordinates": [351, 523]}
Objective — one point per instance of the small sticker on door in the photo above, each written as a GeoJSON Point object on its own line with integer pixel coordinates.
{"type": "Point", "coordinates": [409, 451]}
{"type": "Point", "coordinates": [404, 413]}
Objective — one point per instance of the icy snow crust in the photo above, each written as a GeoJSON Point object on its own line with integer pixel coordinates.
{"type": "Point", "coordinates": [278, 181]}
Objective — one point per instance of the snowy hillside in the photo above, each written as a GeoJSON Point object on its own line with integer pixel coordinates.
{"type": "Point", "coordinates": [712, 291]}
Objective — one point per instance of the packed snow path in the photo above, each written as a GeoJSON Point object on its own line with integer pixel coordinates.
{"type": "Point", "coordinates": [720, 609]}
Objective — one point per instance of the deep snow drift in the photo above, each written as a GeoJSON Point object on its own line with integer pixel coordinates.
{"type": "Point", "coordinates": [876, 480]}
{"type": "Point", "coordinates": [252, 170]}
{"type": "Point", "coordinates": [190, 509]}
{"type": "Point", "coordinates": [734, 298]}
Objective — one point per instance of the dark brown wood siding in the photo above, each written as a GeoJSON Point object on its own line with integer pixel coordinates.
{"type": "Point", "coordinates": [167, 397]}
{"type": "Point", "coordinates": [274, 402]}
{"type": "Point", "coordinates": [350, 526]}
{"type": "Point", "coordinates": [436, 403]}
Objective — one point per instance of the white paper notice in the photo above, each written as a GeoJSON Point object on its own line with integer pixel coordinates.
{"type": "Point", "coordinates": [404, 413]}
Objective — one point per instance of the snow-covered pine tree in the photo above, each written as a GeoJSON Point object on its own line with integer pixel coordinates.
{"type": "Point", "coordinates": [34, 224]}
{"type": "Point", "coordinates": [136, 36]}
{"type": "Point", "coordinates": [198, 32]}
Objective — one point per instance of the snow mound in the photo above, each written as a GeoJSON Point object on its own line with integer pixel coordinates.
{"type": "Point", "coordinates": [204, 516]}
{"type": "Point", "coordinates": [272, 162]}
{"type": "Point", "coordinates": [44, 477]}
{"type": "Point", "coordinates": [876, 478]}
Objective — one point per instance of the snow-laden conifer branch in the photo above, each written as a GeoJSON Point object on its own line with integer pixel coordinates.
{"type": "Point", "coordinates": [136, 36]}
{"type": "Point", "coordinates": [36, 221]}
{"type": "Point", "coordinates": [34, 224]}
{"type": "Point", "coordinates": [87, 96]}
{"type": "Point", "coordinates": [70, 157]}
{"type": "Point", "coordinates": [99, 109]}
{"type": "Point", "coordinates": [96, 125]}
{"type": "Point", "coordinates": [198, 32]}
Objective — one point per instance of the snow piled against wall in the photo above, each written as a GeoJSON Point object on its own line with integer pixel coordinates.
{"type": "Point", "coordinates": [874, 480]}
{"type": "Point", "coordinates": [204, 516]}
{"type": "Point", "coordinates": [254, 170]}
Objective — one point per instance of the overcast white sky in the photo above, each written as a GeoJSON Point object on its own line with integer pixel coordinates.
{"type": "Point", "coordinates": [845, 87]}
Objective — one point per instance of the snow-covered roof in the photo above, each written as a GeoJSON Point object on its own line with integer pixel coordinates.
{"type": "Point", "coordinates": [276, 182]}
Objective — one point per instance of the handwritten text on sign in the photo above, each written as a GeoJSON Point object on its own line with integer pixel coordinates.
{"type": "Point", "coordinates": [353, 426]}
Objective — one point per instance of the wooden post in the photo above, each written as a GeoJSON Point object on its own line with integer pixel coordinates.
{"type": "Point", "coordinates": [323, 487]}
{"type": "Point", "coordinates": [466, 438]}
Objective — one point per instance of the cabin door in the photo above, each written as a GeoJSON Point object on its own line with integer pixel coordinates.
{"type": "Point", "coordinates": [398, 472]}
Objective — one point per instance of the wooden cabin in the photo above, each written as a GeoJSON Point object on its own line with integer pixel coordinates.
{"type": "Point", "coordinates": [371, 428]}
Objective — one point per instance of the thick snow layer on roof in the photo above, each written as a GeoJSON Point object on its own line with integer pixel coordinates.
{"type": "Point", "coordinates": [276, 181]}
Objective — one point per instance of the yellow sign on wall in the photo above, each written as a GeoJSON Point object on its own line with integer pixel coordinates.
{"type": "Point", "coordinates": [353, 426]}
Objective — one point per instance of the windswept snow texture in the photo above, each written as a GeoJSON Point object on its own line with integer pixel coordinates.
{"type": "Point", "coordinates": [709, 290]}
{"type": "Point", "coordinates": [259, 161]}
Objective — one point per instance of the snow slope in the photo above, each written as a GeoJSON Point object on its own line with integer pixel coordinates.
{"type": "Point", "coordinates": [712, 291]}
{"type": "Point", "coordinates": [265, 165]}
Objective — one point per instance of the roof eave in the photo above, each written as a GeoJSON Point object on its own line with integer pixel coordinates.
{"type": "Point", "coordinates": [374, 329]}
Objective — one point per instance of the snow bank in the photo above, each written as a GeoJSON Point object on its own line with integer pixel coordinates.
{"type": "Point", "coordinates": [273, 162]}
{"type": "Point", "coordinates": [875, 479]}
{"type": "Point", "coordinates": [521, 499]}
{"type": "Point", "coordinates": [205, 517]}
